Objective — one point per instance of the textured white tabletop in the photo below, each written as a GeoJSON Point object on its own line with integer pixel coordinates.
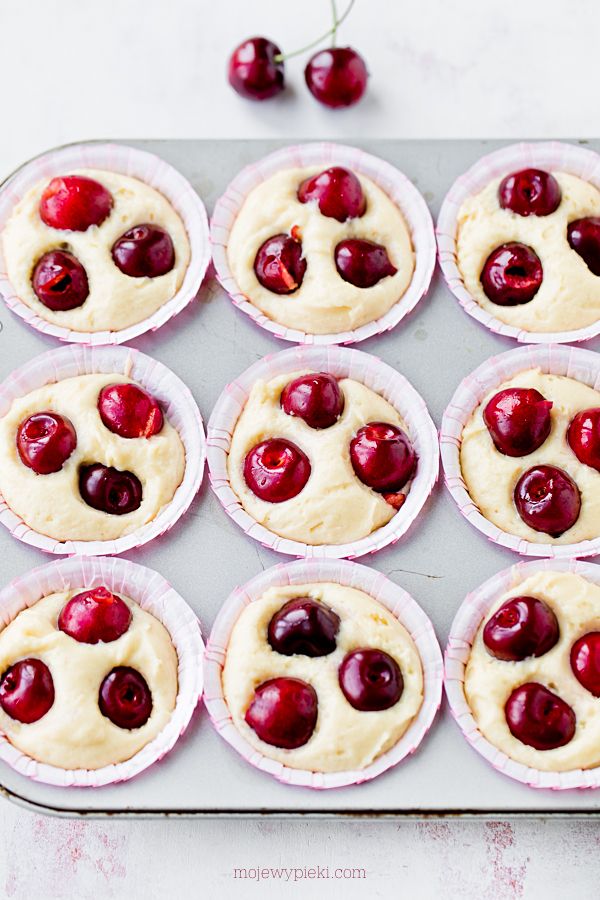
{"type": "Point", "coordinates": [76, 69]}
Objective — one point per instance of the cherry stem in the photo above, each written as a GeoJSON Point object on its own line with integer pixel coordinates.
{"type": "Point", "coordinates": [331, 32]}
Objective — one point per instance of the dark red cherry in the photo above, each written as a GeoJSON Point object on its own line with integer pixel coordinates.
{"type": "Point", "coordinates": [74, 203]}
{"type": "Point", "coordinates": [370, 680]}
{"type": "Point", "coordinates": [45, 441]}
{"type": "Point", "coordinates": [539, 718]}
{"type": "Point", "coordinates": [145, 251]}
{"type": "Point", "coordinates": [583, 236]}
{"type": "Point", "coordinates": [283, 712]}
{"type": "Point", "coordinates": [129, 411]}
{"type": "Point", "coordinates": [362, 263]}
{"type": "Point", "coordinates": [512, 275]}
{"type": "Point", "coordinates": [303, 626]}
{"type": "Point", "coordinates": [530, 192]}
{"type": "Point", "coordinates": [518, 420]}
{"type": "Point", "coordinates": [279, 264]}
{"type": "Point", "coordinates": [276, 470]}
{"type": "Point", "coordinates": [338, 193]}
{"type": "Point", "coordinates": [585, 661]}
{"type": "Point", "coordinates": [547, 499]}
{"type": "Point", "coordinates": [254, 70]}
{"type": "Point", "coordinates": [59, 281]}
{"type": "Point", "coordinates": [522, 627]}
{"type": "Point", "coordinates": [317, 399]}
{"type": "Point", "coordinates": [110, 490]}
{"type": "Point", "coordinates": [27, 690]}
{"type": "Point", "coordinates": [125, 698]}
{"type": "Point", "coordinates": [337, 76]}
{"type": "Point", "coordinates": [583, 435]}
{"type": "Point", "coordinates": [95, 615]}
{"type": "Point", "coordinates": [382, 457]}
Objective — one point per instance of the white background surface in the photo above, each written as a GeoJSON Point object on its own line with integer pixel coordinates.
{"type": "Point", "coordinates": [76, 69]}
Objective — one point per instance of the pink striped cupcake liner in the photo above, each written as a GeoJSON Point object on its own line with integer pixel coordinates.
{"type": "Point", "coordinates": [153, 594]}
{"type": "Point", "coordinates": [395, 184]}
{"type": "Point", "coordinates": [393, 597]}
{"type": "Point", "coordinates": [127, 161]}
{"type": "Point", "coordinates": [554, 359]}
{"type": "Point", "coordinates": [464, 628]}
{"type": "Point", "coordinates": [550, 155]}
{"type": "Point", "coordinates": [178, 405]}
{"type": "Point", "coordinates": [342, 362]}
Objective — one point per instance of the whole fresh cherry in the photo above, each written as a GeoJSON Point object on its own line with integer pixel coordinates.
{"type": "Point", "coordinates": [522, 627]}
{"type": "Point", "coordinates": [539, 718]}
{"type": "Point", "coordinates": [144, 251]}
{"type": "Point", "coordinates": [109, 490]}
{"type": "Point", "coordinates": [303, 626]}
{"type": "Point", "coordinates": [370, 680]}
{"type": "Point", "coordinates": [125, 698]}
{"type": "Point", "coordinates": [583, 236]}
{"type": "Point", "coordinates": [317, 399]}
{"type": "Point", "coordinates": [518, 420]}
{"type": "Point", "coordinates": [512, 275]}
{"type": "Point", "coordinates": [74, 203]}
{"type": "Point", "coordinates": [129, 411]}
{"type": "Point", "coordinates": [276, 470]}
{"type": "Point", "coordinates": [255, 71]}
{"type": "Point", "coordinates": [362, 263]}
{"type": "Point", "coordinates": [382, 457]}
{"type": "Point", "coordinates": [585, 661]}
{"type": "Point", "coordinates": [338, 194]}
{"type": "Point", "coordinates": [547, 499]}
{"type": "Point", "coordinates": [583, 435]}
{"type": "Point", "coordinates": [95, 615]}
{"type": "Point", "coordinates": [283, 712]}
{"type": "Point", "coordinates": [27, 690]}
{"type": "Point", "coordinates": [279, 264]}
{"type": "Point", "coordinates": [59, 281]}
{"type": "Point", "coordinates": [530, 192]}
{"type": "Point", "coordinates": [337, 76]}
{"type": "Point", "coordinates": [45, 441]}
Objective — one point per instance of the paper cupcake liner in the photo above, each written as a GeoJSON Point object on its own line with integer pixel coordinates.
{"type": "Point", "coordinates": [341, 362]}
{"type": "Point", "coordinates": [178, 405]}
{"type": "Point", "coordinates": [395, 184]}
{"type": "Point", "coordinates": [583, 365]}
{"type": "Point", "coordinates": [127, 161]}
{"type": "Point", "coordinates": [393, 597]}
{"type": "Point", "coordinates": [462, 633]}
{"type": "Point", "coordinates": [153, 594]}
{"type": "Point", "coordinates": [550, 155]}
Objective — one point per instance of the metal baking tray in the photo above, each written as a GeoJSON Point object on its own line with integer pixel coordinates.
{"type": "Point", "coordinates": [205, 556]}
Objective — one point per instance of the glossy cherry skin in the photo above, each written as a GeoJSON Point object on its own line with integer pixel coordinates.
{"type": "Point", "coordinates": [129, 411]}
{"type": "Point", "coordinates": [317, 399]}
{"type": "Point", "coordinates": [518, 420]}
{"type": "Point", "coordinates": [303, 626]}
{"type": "Point", "coordinates": [144, 251]}
{"type": "Point", "coordinates": [382, 457]}
{"type": "Point", "coordinates": [279, 264]}
{"type": "Point", "coordinates": [27, 690]}
{"type": "Point", "coordinates": [254, 72]}
{"type": "Point", "coordinates": [45, 441]}
{"type": "Point", "coordinates": [522, 627]}
{"type": "Point", "coordinates": [125, 698]}
{"type": "Point", "coordinates": [530, 192]}
{"type": "Point", "coordinates": [512, 275]}
{"type": "Point", "coordinates": [370, 680]}
{"type": "Point", "coordinates": [538, 718]}
{"type": "Point", "coordinates": [583, 236]}
{"type": "Point", "coordinates": [362, 263]}
{"type": "Point", "coordinates": [283, 712]}
{"type": "Point", "coordinates": [547, 499]}
{"type": "Point", "coordinates": [109, 490]}
{"type": "Point", "coordinates": [276, 470]}
{"type": "Point", "coordinates": [59, 281]}
{"type": "Point", "coordinates": [336, 77]}
{"type": "Point", "coordinates": [338, 194]}
{"type": "Point", "coordinates": [74, 203]}
{"type": "Point", "coordinates": [585, 661]}
{"type": "Point", "coordinates": [95, 615]}
{"type": "Point", "coordinates": [583, 435]}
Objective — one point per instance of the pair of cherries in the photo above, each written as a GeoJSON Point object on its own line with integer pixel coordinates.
{"type": "Point", "coordinates": [76, 203]}
{"type": "Point", "coordinates": [46, 440]}
{"type": "Point", "coordinates": [283, 711]}
{"type": "Point", "coordinates": [382, 456]}
{"type": "Point", "coordinates": [27, 687]}
{"type": "Point", "coordinates": [279, 264]}
{"type": "Point", "coordinates": [512, 274]}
